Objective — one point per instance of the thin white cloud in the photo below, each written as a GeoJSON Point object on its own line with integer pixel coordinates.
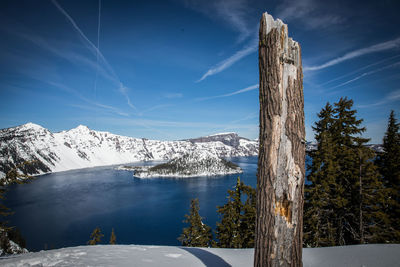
{"type": "Point", "coordinates": [393, 96]}
{"type": "Point", "coordinates": [173, 95]}
{"type": "Point", "coordinates": [237, 15]}
{"type": "Point", "coordinates": [123, 89]}
{"type": "Point", "coordinates": [250, 116]}
{"type": "Point", "coordinates": [360, 69]}
{"type": "Point", "coordinates": [70, 56]}
{"type": "Point", "coordinates": [366, 74]}
{"type": "Point", "coordinates": [98, 48]}
{"type": "Point", "coordinates": [93, 104]}
{"type": "Point", "coordinates": [87, 42]}
{"type": "Point", "coordinates": [389, 45]}
{"type": "Point", "coordinates": [174, 124]}
{"type": "Point", "coordinates": [226, 63]}
{"type": "Point", "coordinates": [250, 88]}
{"type": "Point", "coordinates": [100, 108]}
{"type": "Point", "coordinates": [234, 13]}
{"type": "Point", "coordinates": [310, 13]}
{"type": "Point", "coordinates": [78, 59]}
{"type": "Point", "coordinates": [154, 108]}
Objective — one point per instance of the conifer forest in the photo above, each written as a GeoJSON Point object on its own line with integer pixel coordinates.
{"type": "Point", "coordinates": [352, 193]}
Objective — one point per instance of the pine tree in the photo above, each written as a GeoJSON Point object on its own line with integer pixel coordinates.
{"type": "Point", "coordinates": [319, 206]}
{"type": "Point", "coordinates": [372, 194]}
{"type": "Point", "coordinates": [346, 130]}
{"type": "Point", "coordinates": [228, 230]}
{"type": "Point", "coordinates": [95, 237]}
{"type": "Point", "coordinates": [344, 202]}
{"type": "Point", "coordinates": [197, 234]}
{"type": "Point", "coordinates": [248, 224]}
{"type": "Point", "coordinates": [389, 167]}
{"type": "Point", "coordinates": [237, 226]}
{"type": "Point", "coordinates": [113, 238]}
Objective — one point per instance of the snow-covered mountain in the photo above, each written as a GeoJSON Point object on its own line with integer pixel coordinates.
{"type": "Point", "coordinates": [312, 146]}
{"type": "Point", "coordinates": [82, 147]}
{"type": "Point", "coordinates": [193, 164]}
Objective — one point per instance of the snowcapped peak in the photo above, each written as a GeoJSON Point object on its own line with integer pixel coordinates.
{"type": "Point", "coordinates": [80, 128]}
{"type": "Point", "coordinates": [228, 133]}
{"type": "Point", "coordinates": [31, 125]}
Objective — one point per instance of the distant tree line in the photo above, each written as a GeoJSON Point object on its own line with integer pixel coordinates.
{"type": "Point", "coordinates": [352, 195]}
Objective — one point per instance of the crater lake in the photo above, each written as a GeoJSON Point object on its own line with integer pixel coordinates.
{"type": "Point", "coordinates": [62, 209]}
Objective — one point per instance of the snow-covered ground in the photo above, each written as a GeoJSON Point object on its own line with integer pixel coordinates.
{"type": "Point", "coordinates": [133, 255]}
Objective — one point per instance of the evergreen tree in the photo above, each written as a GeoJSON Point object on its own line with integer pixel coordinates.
{"type": "Point", "coordinates": [389, 167]}
{"type": "Point", "coordinates": [95, 236]}
{"type": "Point", "coordinates": [318, 205]}
{"type": "Point", "coordinates": [15, 235]}
{"type": "Point", "coordinates": [228, 230]}
{"type": "Point", "coordinates": [248, 225]}
{"type": "Point", "coordinates": [237, 226]}
{"type": "Point", "coordinates": [113, 238]}
{"type": "Point", "coordinates": [197, 234]}
{"type": "Point", "coordinates": [344, 202]}
{"type": "Point", "coordinates": [346, 130]}
{"type": "Point", "coordinates": [373, 220]}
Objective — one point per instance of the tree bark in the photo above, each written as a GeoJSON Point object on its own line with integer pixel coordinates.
{"type": "Point", "coordinates": [361, 229]}
{"type": "Point", "coordinates": [281, 162]}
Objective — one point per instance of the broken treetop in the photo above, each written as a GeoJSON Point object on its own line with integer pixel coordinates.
{"type": "Point", "coordinates": [290, 49]}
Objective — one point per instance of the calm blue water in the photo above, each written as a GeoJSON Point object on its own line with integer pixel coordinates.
{"type": "Point", "coordinates": [62, 209]}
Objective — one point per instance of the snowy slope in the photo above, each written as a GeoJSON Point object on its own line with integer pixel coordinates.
{"type": "Point", "coordinates": [132, 255]}
{"type": "Point", "coordinates": [193, 164]}
{"type": "Point", "coordinates": [82, 147]}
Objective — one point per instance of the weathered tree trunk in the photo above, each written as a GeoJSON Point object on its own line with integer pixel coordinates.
{"type": "Point", "coordinates": [281, 162]}
{"type": "Point", "coordinates": [361, 226]}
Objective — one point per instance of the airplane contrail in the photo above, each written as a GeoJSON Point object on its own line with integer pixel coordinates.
{"type": "Point", "coordinates": [366, 74]}
{"type": "Point", "coordinates": [122, 88]}
{"type": "Point", "coordinates": [98, 49]}
{"type": "Point", "coordinates": [360, 69]}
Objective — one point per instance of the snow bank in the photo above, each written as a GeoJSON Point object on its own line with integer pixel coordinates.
{"type": "Point", "coordinates": [133, 255]}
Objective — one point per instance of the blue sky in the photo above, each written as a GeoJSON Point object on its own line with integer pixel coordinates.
{"type": "Point", "coordinates": [185, 68]}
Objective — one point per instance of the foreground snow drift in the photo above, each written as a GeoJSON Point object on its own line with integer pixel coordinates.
{"type": "Point", "coordinates": [132, 255]}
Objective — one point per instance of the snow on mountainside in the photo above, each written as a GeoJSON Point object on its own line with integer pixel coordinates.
{"type": "Point", "coordinates": [82, 147]}
{"type": "Point", "coordinates": [229, 139]}
{"type": "Point", "coordinates": [378, 148]}
{"type": "Point", "coordinates": [193, 164]}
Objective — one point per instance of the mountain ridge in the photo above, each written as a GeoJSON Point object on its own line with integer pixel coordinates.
{"type": "Point", "coordinates": [82, 147]}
